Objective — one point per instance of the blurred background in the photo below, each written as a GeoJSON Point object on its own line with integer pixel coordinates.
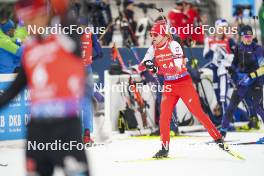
{"type": "Point", "coordinates": [131, 19]}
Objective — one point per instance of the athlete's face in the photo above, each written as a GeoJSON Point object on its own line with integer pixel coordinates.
{"type": "Point", "coordinates": [158, 39]}
{"type": "Point", "coordinates": [179, 6]}
{"type": "Point", "coordinates": [247, 39]}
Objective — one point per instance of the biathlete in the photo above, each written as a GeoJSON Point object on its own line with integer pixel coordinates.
{"type": "Point", "coordinates": [165, 57]}
{"type": "Point", "coordinates": [247, 70]}
{"type": "Point", "coordinates": [89, 44]}
{"type": "Point", "coordinates": [52, 69]}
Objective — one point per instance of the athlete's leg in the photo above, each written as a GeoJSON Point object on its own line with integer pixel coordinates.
{"type": "Point", "coordinates": [168, 102]}
{"type": "Point", "coordinates": [191, 100]}
{"type": "Point", "coordinates": [257, 94]}
{"type": "Point", "coordinates": [252, 115]}
{"type": "Point", "coordinates": [37, 162]}
{"type": "Point", "coordinates": [169, 99]}
{"type": "Point", "coordinates": [236, 98]}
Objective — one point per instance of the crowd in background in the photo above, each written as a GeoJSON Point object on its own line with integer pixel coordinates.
{"type": "Point", "coordinates": [99, 14]}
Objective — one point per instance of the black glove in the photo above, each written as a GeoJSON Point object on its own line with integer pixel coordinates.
{"type": "Point", "coordinates": [230, 70]}
{"type": "Point", "coordinates": [150, 66]}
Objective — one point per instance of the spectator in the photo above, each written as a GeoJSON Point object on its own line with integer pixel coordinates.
{"type": "Point", "coordinates": [10, 53]}
{"type": "Point", "coordinates": [18, 34]}
{"type": "Point", "coordinates": [178, 19]}
{"type": "Point", "coordinates": [193, 18]}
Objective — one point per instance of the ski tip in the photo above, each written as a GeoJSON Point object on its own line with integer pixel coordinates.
{"type": "Point", "coordinates": [236, 155]}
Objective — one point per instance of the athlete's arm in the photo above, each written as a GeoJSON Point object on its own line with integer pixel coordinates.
{"type": "Point", "coordinates": [260, 71]}
{"type": "Point", "coordinates": [176, 49]}
{"type": "Point", "coordinates": [7, 44]}
{"type": "Point", "coordinates": [232, 44]}
{"type": "Point", "coordinates": [149, 55]}
{"type": "Point", "coordinates": [234, 64]}
{"type": "Point", "coordinates": [16, 86]}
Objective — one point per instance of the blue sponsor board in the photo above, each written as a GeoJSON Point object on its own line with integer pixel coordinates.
{"type": "Point", "coordinates": [15, 115]}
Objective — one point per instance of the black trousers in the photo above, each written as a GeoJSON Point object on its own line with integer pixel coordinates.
{"type": "Point", "coordinates": [55, 142]}
{"type": "Point", "coordinates": [254, 92]}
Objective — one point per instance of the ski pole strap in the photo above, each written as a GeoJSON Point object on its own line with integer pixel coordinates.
{"type": "Point", "coordinates": [175, 77]}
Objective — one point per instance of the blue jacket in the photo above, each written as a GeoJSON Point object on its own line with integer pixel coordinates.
{"type": "Point", "coordinates": [248, 58]}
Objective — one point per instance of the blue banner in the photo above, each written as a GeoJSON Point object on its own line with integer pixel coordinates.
{"type": "Point", "coordinates": [14, 116]}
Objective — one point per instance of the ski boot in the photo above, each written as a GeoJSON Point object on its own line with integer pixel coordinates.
{"type": "Point", "coordinates": [222, 145]}
{"type": "Point", "coordinates": [253, 122]}
{"type": "Point", "coordinates": [87, 138]}
{"type": "Point", "coordinates": [162, 153]}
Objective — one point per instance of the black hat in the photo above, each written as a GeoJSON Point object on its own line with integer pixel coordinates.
{"type": "Point", "coordinates": [246, 30]}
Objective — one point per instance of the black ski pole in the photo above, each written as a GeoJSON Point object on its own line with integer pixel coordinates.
{"type": "Point", "coordinates": [196, 66]}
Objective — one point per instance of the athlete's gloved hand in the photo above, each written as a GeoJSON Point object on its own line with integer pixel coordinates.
{"type": "Point", "coordinates": [244, 79]}
{"type": "Point", "coordinates": [230, 70]}
{"type": "Point", "coordinates": [150, 66]}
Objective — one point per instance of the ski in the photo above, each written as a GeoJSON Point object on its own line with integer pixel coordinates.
{"type": "Point", "coordinates": [225, 147]}
{"type": "Point", "coordinates": [234, 154]}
